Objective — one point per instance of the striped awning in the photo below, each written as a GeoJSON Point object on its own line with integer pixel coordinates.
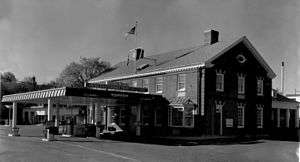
{"type": "Point", "coordinates": [55, 92]}
{"type": "Point", "coordinates": [181, 101]}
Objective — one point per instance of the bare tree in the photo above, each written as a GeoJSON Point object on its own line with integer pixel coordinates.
{"type": "Point", "coordinates": [76, 74]}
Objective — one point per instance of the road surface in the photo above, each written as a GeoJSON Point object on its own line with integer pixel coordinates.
{"type": "Point", "coordinates": [30, 147]}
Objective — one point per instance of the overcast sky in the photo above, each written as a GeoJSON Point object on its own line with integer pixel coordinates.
{"type": "Point", "coordinates": [40, 37]}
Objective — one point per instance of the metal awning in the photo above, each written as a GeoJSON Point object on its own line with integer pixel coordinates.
{"type": "Point", "coordinates": [56, 92]}
{"type": "Point", "coordinates": [79, 95]}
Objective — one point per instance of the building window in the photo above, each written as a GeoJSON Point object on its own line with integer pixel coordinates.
{"type": "Point", "coordinates": [146, 84]}
{"type": "Point", "coordinates": [181, 82]}
{"type": "Point", "coordinates": [260, 86]}
{"type": "Point", "coordinates": [241, 84]}
{"type": "Point", "coordinates": [134, 83]}
{"type": "Point", "coordinates": [259, 116]}
{"type": "Point", "coordinates": [159, 84]}
{"type": "Point", "coordinates": [220, 81]}
{"type": "Point", "coordinates": [241, 115]}
{"type": "Point", "coordinates": [181, 117]}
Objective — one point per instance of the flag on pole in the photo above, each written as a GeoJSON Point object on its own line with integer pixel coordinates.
{"type": "Point", "coordinates": [132, 31]}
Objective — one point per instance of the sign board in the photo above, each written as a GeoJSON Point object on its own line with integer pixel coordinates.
{"type": "Point", "coordinates": [229, 122]}
{"type": "Point", "coordinates": [40, 112]}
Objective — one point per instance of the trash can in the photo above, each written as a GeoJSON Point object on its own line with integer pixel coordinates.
{"type": "Point", "coordinates": [79, 131]}
{"type": "Point", "coordinates": [53, 130]}
{"type": "Point", "coordinates": [90, 130]}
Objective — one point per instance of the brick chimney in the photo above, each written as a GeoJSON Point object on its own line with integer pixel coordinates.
{"type": "Point", "coordinates": [136, 54]}
{"type": "Point", "coordinates": [211, 37]}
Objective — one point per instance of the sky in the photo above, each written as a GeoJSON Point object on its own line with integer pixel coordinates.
{"type": "Point", "coordinates": [40, 37]}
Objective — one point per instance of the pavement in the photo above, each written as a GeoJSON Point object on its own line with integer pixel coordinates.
{"type": "Point", "coordinates": [30, 147]}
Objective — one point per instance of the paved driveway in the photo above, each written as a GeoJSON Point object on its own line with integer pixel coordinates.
{"type": "Point", "coordinates": [29, 147]}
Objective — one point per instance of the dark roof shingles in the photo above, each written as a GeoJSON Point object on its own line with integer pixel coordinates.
{"type": "Point", "coordinates": [179, 58]}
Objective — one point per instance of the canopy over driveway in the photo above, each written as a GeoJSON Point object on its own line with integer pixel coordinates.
{"type": "Point", "coordinates": [76, 96]}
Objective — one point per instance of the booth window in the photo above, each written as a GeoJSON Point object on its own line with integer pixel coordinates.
{"type": "Point", "coordinates": [159, 84]}
{"type": "Point", "coordinates": [181, 82]}
{"type": "Point", "coordinates": [241, 84]}
{"type": "Point", "coordinates": [259, 116]}
{"type": "Point", "coordinates": [219, 82]}
{"type": "Point", "coordinates": [241, 115]}
{"type": "Point", "coordinates": [146, 84]}
{"type": "Point", "coordinates": [260, 86]}
{"type": "Point", "coordinates": [181, 116]}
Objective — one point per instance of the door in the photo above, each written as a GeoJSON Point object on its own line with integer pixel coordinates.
{"type": "Point", "coordinates": [135, 120]}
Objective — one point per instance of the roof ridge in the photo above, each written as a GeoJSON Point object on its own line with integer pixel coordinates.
{"type": "Point", "coordinates": [177, 50]}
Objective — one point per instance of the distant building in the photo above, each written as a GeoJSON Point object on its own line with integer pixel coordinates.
{"type": "Point", "coordinates": [216, 88]}
{"type": "Point", "coordinates": [285, 111]}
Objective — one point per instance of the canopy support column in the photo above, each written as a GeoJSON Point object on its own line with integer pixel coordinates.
{"type": "Point", "coordinates": [97, 119]}
{"type": "Point", "coordinates": [57, 116]}
{"type": "Point", "coordinates": [297, 118]}
{"type": "Point", "coordinates": [278, 118]}
{"type": "Point", "coordinates": [287, 118]}
{"type": "Point", "coordinates": [91, 113]}
{"type": "Point", "coordinates": [97, 114]}
{"type": "Point", "coordinates": [108, 117]}
{"type": "Point", "coordinates": [50, 137]}
{"type": "Point", "coordinates": [14, 129]}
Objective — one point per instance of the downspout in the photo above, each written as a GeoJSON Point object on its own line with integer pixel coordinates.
{"type": "Point", "coordinates": [198, 91]}
{"type": "Point", "coordinates": [202, 91]}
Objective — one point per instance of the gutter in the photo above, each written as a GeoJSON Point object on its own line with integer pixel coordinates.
{"type": "Point", "coordinates": [149, 73]}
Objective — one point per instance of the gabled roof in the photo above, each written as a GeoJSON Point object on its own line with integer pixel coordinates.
{"type": "Point", "coordinates": [178, 60]}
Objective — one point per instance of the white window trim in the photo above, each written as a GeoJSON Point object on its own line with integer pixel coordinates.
{"type": "Point", "coordinates": [162, 85]}
{"type": "Point", "coordinates": [262, 88]}
{"type": "Point", "coordinates": [221, 89]}
{"type": "Point", "coordinates": [183, 117]}
{"type": "Point", "coordinates": [143, 85]}
{"type": "Point", "coordinates": [241, 106]}
{"type": "Point", "coordinates": [134, 83]}
{"type": "Point", "coordinates": [184, 82]}
{"type": "Point", "coordinates": [262, 116]}
{"type": "Point", "coordinates": [242, 77]}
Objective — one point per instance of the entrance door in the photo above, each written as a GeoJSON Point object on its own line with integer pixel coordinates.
{"type": "Point", "coordinates": [135, 120]}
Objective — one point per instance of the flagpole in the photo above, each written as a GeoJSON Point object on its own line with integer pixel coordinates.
{"type": "Point", "coordinates": [136, 42]}
{"type": "Point", "coordinates": [136, 33]}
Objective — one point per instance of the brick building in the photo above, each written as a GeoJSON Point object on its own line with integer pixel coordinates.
{"type": "Point", "coordinates": [216, 88]}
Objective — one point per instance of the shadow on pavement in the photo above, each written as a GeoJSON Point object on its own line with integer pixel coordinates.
{"type": "Point", "coordinates": [189, 142]}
